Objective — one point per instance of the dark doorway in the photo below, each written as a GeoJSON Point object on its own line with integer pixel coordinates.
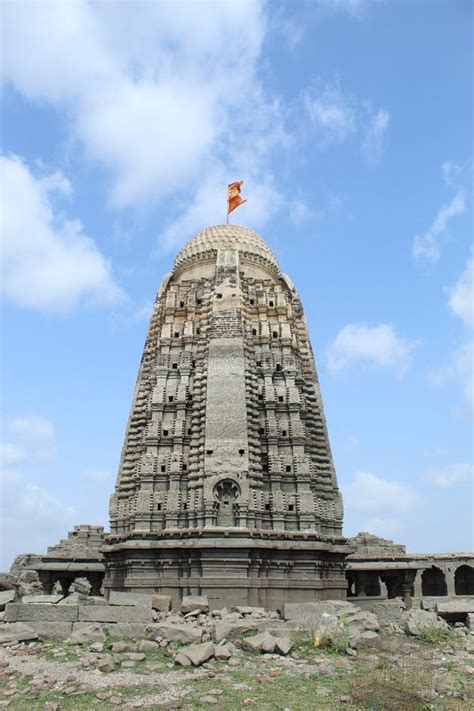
{"type": "Point", "coordinates": [433, 582]}
{"type": "Point", "coordinates": [464, 580]}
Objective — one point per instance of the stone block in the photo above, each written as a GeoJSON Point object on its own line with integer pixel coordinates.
{"type": "Point", "coordinates": [262, 642]}
{"type": "Point", "coordinates": [194, 602]}
{"type": "Point", "coordinates": [161, 603]}
{"type": "Point", "coordinates": [447, 608]}
{"type": "Point", "coordinates": [11, 612]}
{"type": "Point", "coordinates": [114, 613]}
{"type": "Point", "coordinates": [176, 632]}
{"type": "Point", "coordinates": [306, 611]}
{"type": "Point", "coordinates": [129, 599]}
{"type": "Point", "coordinates": [126, 630]}
{"type": "Point", "coordinates": [83, 634]}
{"type": "Point", "coordinates": [231, 630]}
{"type": "Point", "coordinates": [31, 599]}
{"type": "Point", "coordinates": [420, 620]}
{"type": "Point", "coordinates": [41, 612]}
{"type": "Point", "coordinates": [16, 632]}
{"type": "Point", "coordinates": [6, 596]}
{"type": "Point", "coordinates": [53, 630]}
{"type": "Point", "coordinates": [198, 653]}
{"type": "Point", "coordinates": [470, 620]}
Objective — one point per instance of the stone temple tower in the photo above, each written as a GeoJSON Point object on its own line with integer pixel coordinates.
{"type": "Point", "coordinates": [226, 483]}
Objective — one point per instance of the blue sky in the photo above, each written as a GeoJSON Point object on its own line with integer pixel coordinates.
{"type": "Point", "coordinates": [350, 123]}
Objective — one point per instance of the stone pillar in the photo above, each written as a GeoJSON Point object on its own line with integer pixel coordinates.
{"type": "Point", "coordinates": [450, 582]}
{"type": "Point", "coordinates": [407, 582]}
{"type": "Point", "coordinates": [418, 588]}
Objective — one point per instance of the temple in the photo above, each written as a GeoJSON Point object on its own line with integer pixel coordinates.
{"type": "Point", "coordinates": [226, 485]}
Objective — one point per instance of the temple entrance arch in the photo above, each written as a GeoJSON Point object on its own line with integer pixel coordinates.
{"type": "Point", "coordinates": [464, 580]}
{"type": "Point", "coordinates": [433, 582]}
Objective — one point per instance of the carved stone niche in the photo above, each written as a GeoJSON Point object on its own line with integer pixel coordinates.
{"type": "Point", "coordinates": [227, 494]}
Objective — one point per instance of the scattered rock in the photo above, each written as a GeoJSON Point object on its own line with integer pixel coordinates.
{"type": "Point", "coordinates": [88, 633]}
{"type": "Point", "coordinates": [147, 645]}
{"type": "Point", "coordinates": [198, 653]}
{"type": "Point", "coordinates": [178, 632]}
{"type": "Point", "coordinates": [161, 603]}
{"type": "Point", "coordinates": [7, 596]}
{"type": "Point", "coordinates": [16, 632]}
{"type": "Point", "coordinates": [194, 602]}
{"type": "Point", "coordinates": [420, 620]}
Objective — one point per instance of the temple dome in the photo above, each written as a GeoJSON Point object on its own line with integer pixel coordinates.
{"type": "Point", "coordinates": [247, 242]}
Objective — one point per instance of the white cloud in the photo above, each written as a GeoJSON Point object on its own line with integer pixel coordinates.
{"type": "Point", "coordinates": [375, 135]}
{"type": "Point", "coordinates": [36, 437]}
{"type": "Point", "coordinates": [163, 93]}
{"type": "Point", "coordinates": [98, 476]}
{"type": "Point", "coordinates": [338, 116]}
{"type": "Point", "coordinates": [27, 509]}
{"type": "Point", "coordinates": [461, 295]}
{"type": "Point", "coordinates": [376, 345]}
{"type": "Point", "coordinates": [371, 494]}
{"type": "Point", "coordinates": [450, 475]}
{"type": "Point", "coordinates": [47, 262]}
{"type": "Point", "coordinates": [332, 113]}
{"type": "Point", "coordinates": [460, 367]}
{"type": "Point", "coordinates": [427, 247]}
{"type": "Point", "coordinates": [451, 171]}
{"type": "Point", "coordinates": [11, 454]}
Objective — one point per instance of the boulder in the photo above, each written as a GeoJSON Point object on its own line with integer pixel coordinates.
{"type": "Point", "coordinates": [161, 603]}
{"type": "Point", "coordinates": [283, 645]}
{"type": "Point", "coordinates": [7, 596]}
{"type": "Point", "coordinates": [361, 618]}
{"type": "Point", "coordinates": [198, 653]}
{"type": "Point", "coordinates": [222, 651]}
{"type": "Point", "coordinates": [16, 632]}
{"type": "Point", "coordinates": [262, 642]}
{"type": "Point", "coordinates": [186, 634]}
{"type": "Point", "coordinates": [310, 612]}
{"type": "Point", "coordinates": [147, 645]}
{"type": "Point", "coordinates": [182, 659]}
{"type": "Point", "coordinates": [470, 621]}
{"type": "Point", "coordinates": [358, 638]}
{"type": "Point", "coordinates": [88, 633]}
{"type": "Point", "coordinates": [194, 602]}
{"type": "Point", "coordinates": [420, 620]}
{"type": "Point", "coordinates": [231, 629]}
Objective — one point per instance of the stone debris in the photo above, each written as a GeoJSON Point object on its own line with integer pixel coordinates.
{"type": "Point", "coordinates": [418, 621]}
{"type": "Point", "coordinates": [16, 632]}
{"type": "Point", "coordinates": [161, 603]}
{"type": "Point", "coordinates": [193, 603]}
{"type": "Point", "coordinates": [6, 596]}
{"type": "Point", "coordinates": [88, 633]}
{"type": "Point", "coordinates": [197, 653]}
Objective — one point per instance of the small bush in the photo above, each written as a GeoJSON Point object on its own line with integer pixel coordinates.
{"type": "Point", "coordinates": [435, 634]}
{"type": "Point", "coordinates": [334, 640]}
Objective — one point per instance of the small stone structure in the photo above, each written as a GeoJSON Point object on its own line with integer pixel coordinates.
{"type": "Point", "coordinates": [382, 569]}
{"type": "Point", "coordinates": [78, 555]}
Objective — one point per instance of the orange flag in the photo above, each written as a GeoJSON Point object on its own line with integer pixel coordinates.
{"type": "Point", "coordinates": [233, 196]}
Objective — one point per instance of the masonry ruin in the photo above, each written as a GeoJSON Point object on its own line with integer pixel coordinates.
{"type": "Point", "coordinates": [226, 485]}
